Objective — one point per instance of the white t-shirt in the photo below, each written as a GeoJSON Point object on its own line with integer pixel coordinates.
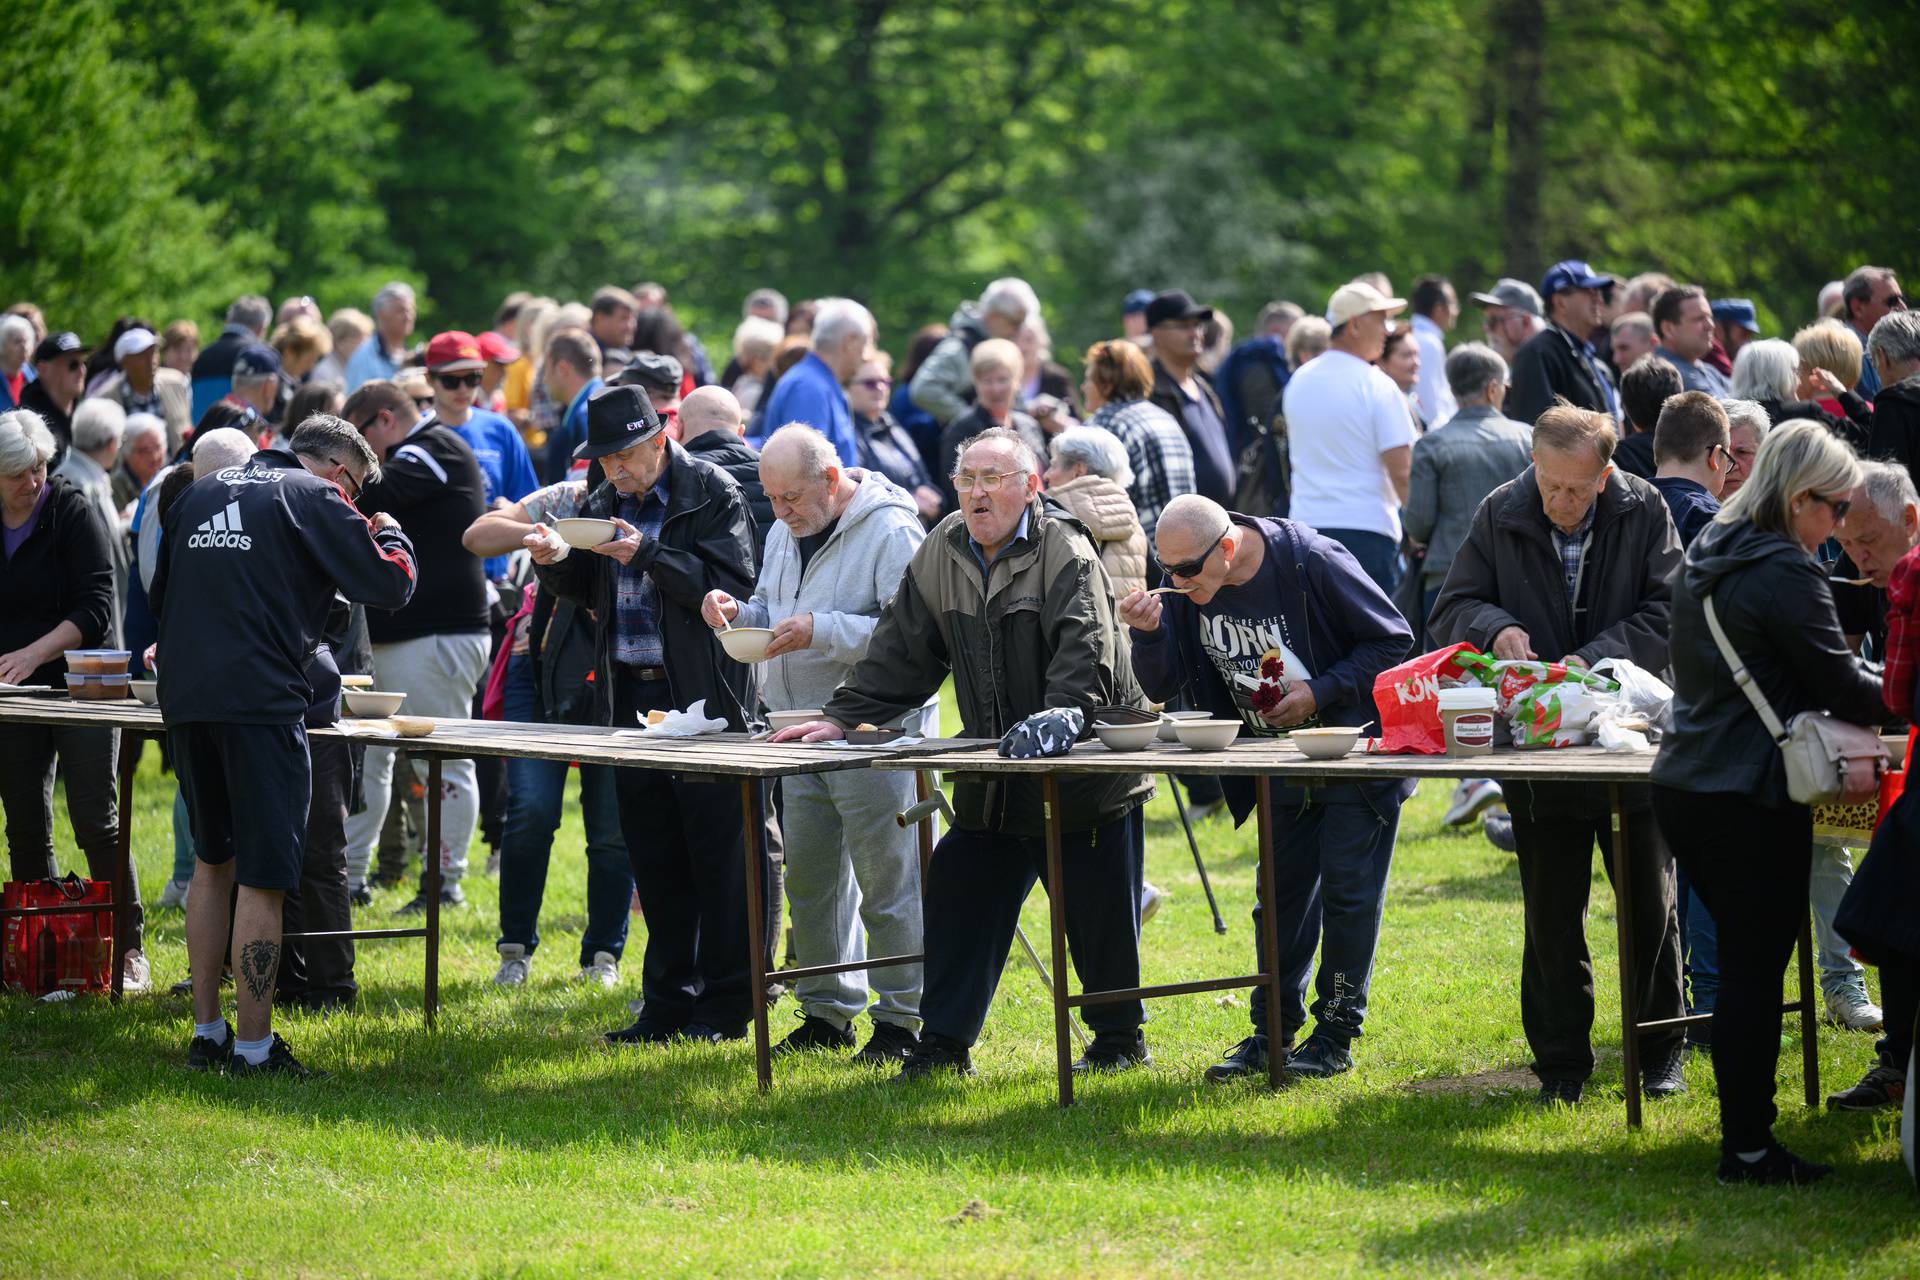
{"type": "Point", "coordinates": [1342, 414]}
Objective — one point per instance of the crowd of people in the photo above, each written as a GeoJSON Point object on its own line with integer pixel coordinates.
{"type": "Point", "coordinates": [1619, 469]}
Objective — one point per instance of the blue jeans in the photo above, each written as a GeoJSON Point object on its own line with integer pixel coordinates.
{"type": "Point", "coordinates": [1379, 555]}
{"type": "Point", "coordinates": [536, 789]}
{"type": "Point", "coordinates": [1330, 883]}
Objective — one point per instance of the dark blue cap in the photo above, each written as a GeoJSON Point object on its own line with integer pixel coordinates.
{"type": "Point", "coordinates": [1571, 274]}
{"type": "Point", "coordinates": [1138, 300]}
{"type": "Point", "coordinates": [254, 359]}
{"type": "Point", "coordinates": [1736, 311]}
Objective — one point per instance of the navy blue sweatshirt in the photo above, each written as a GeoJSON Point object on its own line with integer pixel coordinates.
{"type": "Point", "coordinates": [431, 483]}
{"type": "Point", "coordinates": [1309, 595]}
{"type": "Point", "coordinates": [250, 560]}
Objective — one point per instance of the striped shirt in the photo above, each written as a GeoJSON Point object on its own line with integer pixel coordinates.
{"type": "Point", "coordinates": [636, 630]}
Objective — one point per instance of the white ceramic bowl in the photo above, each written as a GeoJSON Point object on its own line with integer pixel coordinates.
{"type": "Point", "coordinates": [1325, 744]}
{"type": "Point", "coordinates": [1170, 718]}
{"type": "Point", "coordinates": [746, 644]}
{"type": "Point", "coordinates": [585, 534]}
{"type": "Point", "coordinates": [148, 691]}
{"type": "Point", "coordinates": [778, 720]}
{"type": "Point", "coordinates": [370, 704]}
{"type": "Point", "coordinates": [1206, 735]}
{"type": "Point", "coordinates": [1127, 737]}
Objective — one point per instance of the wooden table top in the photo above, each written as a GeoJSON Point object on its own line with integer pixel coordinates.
{"type": "Point", "coordinates": [724, 754]}
{"type": "Point", "coordinates": [1279, 758]}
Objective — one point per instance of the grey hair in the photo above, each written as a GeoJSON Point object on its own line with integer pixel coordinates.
{"type": "Point", "coordinates": [766, 298]}
{"type": "Point", "coordinates": [254, 379]}
{"type": "Point", "coordinates": [1746, 413]}
{"type": "Point", "coordinates": [1009, 296]}
{"type": "Point", "coordinates": [1470, 367]}
{"type": "Point", "coordinates": [25, 442]}
{"type": "Point", "coordinates": [251, 310]}
{"type": "Point", "coordinates": [836, 319]}
{"type": "Point", "coordinates": [813, 452]}
{"type": "Point", "coordinates": [1799, 456]}
{"type": "Point", "coordinates": [219, 449]}
{"type": "Point", "coordinates": [326, 438]}
{"type": "Point", "coordinates": [390, 293]}
{"type": "Point", "coordinates": [97, 423]}
{"type": "Point", "coordinates": [1858, 287]}
{"type": "Point", "coordinates": [1096, 449]}
{"type": "Point", "coordinates": [756, 336]}
{"type": "Point", "coordinates": [1889, 489]}
{"type": "Point", "coordinates": [1895, 338]}
{"type": "Point", "coordinates": [10, 324]}
{"type": "Point", "coordinates": [1768, 369]}
{"type": "Point", "coordinates": [1016, 444]}
{"type": "Point", "coordinates": [139, 424]}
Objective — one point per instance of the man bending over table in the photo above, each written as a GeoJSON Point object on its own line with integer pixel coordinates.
{"type": "Point", "coordinates": [1282, 629]}
{"type": "Point", "coordinates": [1008, 594]}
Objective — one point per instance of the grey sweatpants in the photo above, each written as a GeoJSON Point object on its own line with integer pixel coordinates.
{"type": "Point", "coordinates": [439, 675]}
{"type": "Point", "coordinates": [852, 870]}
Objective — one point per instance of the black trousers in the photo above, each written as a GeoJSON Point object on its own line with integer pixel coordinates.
{"type": "Point", "coordinates": [1749, 865]}
{"type": "Point", "coordinates": [320, 971]}
{"type": "Point", "coordinates": [976, 884]}
{"type": "Point", "coordinates": [1555, 829]}
{"type": "Point", "coordinates": [684, 841]}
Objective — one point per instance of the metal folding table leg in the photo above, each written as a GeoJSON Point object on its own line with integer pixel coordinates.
{"type": "Point", "coordinates": [751, 818]}
{"type": "Point", "coordinates": [431, 883]}
{"type": "Point", "coordinates": [1269, 928]}
{"type": "Point", "coordinates": [1057, 918]}
{"type": "Point", "coordinates": [1629, 990]}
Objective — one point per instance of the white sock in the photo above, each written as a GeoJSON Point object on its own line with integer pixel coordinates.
{"type": "Point", "coordinates": [1752, 1157]}
{"type": "Point", "coordinates": [215, 1031]}
{"type": "Point", "coordinates": [253, 1051]}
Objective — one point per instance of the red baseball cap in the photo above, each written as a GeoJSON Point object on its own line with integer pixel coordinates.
{"type": "Point", "coordinates": [454, 352]}
{"type": "Point", "coordinates": [495, 347]}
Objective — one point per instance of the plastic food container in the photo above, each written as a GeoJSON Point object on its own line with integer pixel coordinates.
{"type": "Point", "coordinates": [98, 662]}
{"type": "Point", "coordinates": [778, 720]}
{"type": "Point", "coordinates": [90, 688]}
{"type": "Point", "coordinates": [1466, 719]}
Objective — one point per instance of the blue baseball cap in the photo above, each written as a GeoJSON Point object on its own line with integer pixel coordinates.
{"type": "Point", "coordinates": [255, 359]}
{"type": "Point", "coordinates": [1571, 274]}
{"type": "Point", "coordinates": [1736, 311]}
{"type": "Point", "coordinates": [1138, 300]}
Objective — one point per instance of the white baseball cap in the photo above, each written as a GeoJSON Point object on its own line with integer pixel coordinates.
{"type": "Point", "coordinates": [132, 343]}
{"type": "Point", "coordinates": [1351, 301]}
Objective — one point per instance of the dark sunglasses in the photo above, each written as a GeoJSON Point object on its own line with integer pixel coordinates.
{"type": "Point", "coordinates": [1192, 568]}
{"type": "Point", "coordinates": [423, 402]}
{"type": "Point", "coordinates": [875, 384]}
{"type": "Point", "coordinates": [1840, 505]}
{"type": "Point", "coordinates": [76, 365]}
{"type": "Point", "coordinates": [454, 381]}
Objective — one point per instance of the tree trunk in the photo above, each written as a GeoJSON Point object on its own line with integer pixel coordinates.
{"type": "Point", "coordinates": [1522, 24]}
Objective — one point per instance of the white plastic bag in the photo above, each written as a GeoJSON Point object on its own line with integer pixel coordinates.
{"type": "Point", "coordinates": [1641, 690]}
{"type": "Point", "coordinates": [691, 723]}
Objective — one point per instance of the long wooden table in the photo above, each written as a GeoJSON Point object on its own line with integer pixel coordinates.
{"type": "Point", "coordinates": [718, 756]}
{"type": "Point", "coordinates": [1278, 758]}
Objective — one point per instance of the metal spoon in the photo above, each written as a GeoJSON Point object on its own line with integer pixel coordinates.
{"type": "Point", "coordinates": [1161, 591]}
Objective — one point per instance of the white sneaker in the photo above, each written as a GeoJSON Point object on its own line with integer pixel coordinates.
{"type": "Point", "coordinates": [1470, 799]}
{"type": "Point", "coordinates": [134, 973]}
{"type": "Point", "coordinates": [604, 970]}
{"type": "Point", "coordinates": [1850, 1008]}
{"type": "Point", "coordinates": [174, 896]}
{"type": "Point", "coordinates": [1150, 896]}
{"type": "Point", "coordinates": [515, 964]}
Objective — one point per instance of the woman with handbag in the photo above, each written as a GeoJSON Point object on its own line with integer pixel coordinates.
{"type": "Point", "coordinates": [1734, 778]}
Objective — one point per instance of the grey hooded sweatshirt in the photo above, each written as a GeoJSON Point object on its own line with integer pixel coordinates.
{"type": "Point", "coordinates": [845, 586]}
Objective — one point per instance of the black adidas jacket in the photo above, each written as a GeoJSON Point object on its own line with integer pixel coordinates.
{"type": "Point", "coordinates": [431, 484]}
{"type": "Point", "coordinates": [250, 560]}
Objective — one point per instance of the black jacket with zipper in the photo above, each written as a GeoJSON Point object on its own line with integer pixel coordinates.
{"type": "Point", "coordinates": [63, 572]}
{"type": "Point", "coordinates": [736, 457]}
{"type": "Point", "coordinates": [705, 544]}
{"type": "Point", "coordinates": [1547, 365]}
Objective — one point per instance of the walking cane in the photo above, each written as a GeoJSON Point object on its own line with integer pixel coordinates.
{"type": "Point", "coordinates": [1219, 925]}
{"type": "Point", "coordinates": [937, 803]}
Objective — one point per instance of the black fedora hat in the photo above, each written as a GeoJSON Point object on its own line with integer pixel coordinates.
{"type": "Point", "coordinates": [618, 418]}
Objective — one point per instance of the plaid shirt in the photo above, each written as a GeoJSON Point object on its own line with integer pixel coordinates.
{"type": "Point", "coordinates": [636, 631]}
{"type": "Point", "coordinates": [1903, 636]}
{"type": "Point", "coordinates": [1573, 551]}
{"type": "Point", "coordinates": [1158, 452]}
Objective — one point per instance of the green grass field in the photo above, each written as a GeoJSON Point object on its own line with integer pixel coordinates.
{"type": "Point", "coordinates": [511, 1141]}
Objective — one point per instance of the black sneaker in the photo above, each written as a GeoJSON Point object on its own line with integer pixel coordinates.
{"type": "Point", "coordinates": [361, 897]}
{"type": "Point", "coordinates": [386, 882]}
{"type": "Point", "coordinates": [1779, 1167]}
{"type": "Point", "coordinates": [204, 1055]}
{"type": "Point", "coordinates": [701, 1033]}
{"type": "Point", "coordinates": [935, 1053]}
{"type": "Point", "coordinates": [1498, 826]}
{"type": "Point", "coordinates": [889, 1044]}
{"type": "Point", "coordinates": [1560, 1093]}
{"type": "Point", "coordinates": [815, 1034]}
{"type": "Point", "coordinates": [451, 896]}
{"type": "Point", "coordinates": [279, 1062]}
{"type": "Point", "coordinates": [1114, 1051]}
{"type": "Point", "coordinates": [1881, 1088]}
{"type": "Point", "coordinates": [1248, 1058]}
{"type": "Point", "coordinates": [644, 1030]}
{"type": "Point", "coordinates": [1661, 1077]}
{"type": "Point", "coordinates": [1320, 1058]}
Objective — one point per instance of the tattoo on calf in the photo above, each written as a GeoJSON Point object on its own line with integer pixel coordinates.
{"type": "Point", "coordinates": [259, 960]}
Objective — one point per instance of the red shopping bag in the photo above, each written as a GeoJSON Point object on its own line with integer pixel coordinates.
{"type": "Point", "coordinates": [1894, 781]}
{"type": "Point", "coordinates": [1406, 695]}
{"type": "Point", "coordinates": [61, 952]}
